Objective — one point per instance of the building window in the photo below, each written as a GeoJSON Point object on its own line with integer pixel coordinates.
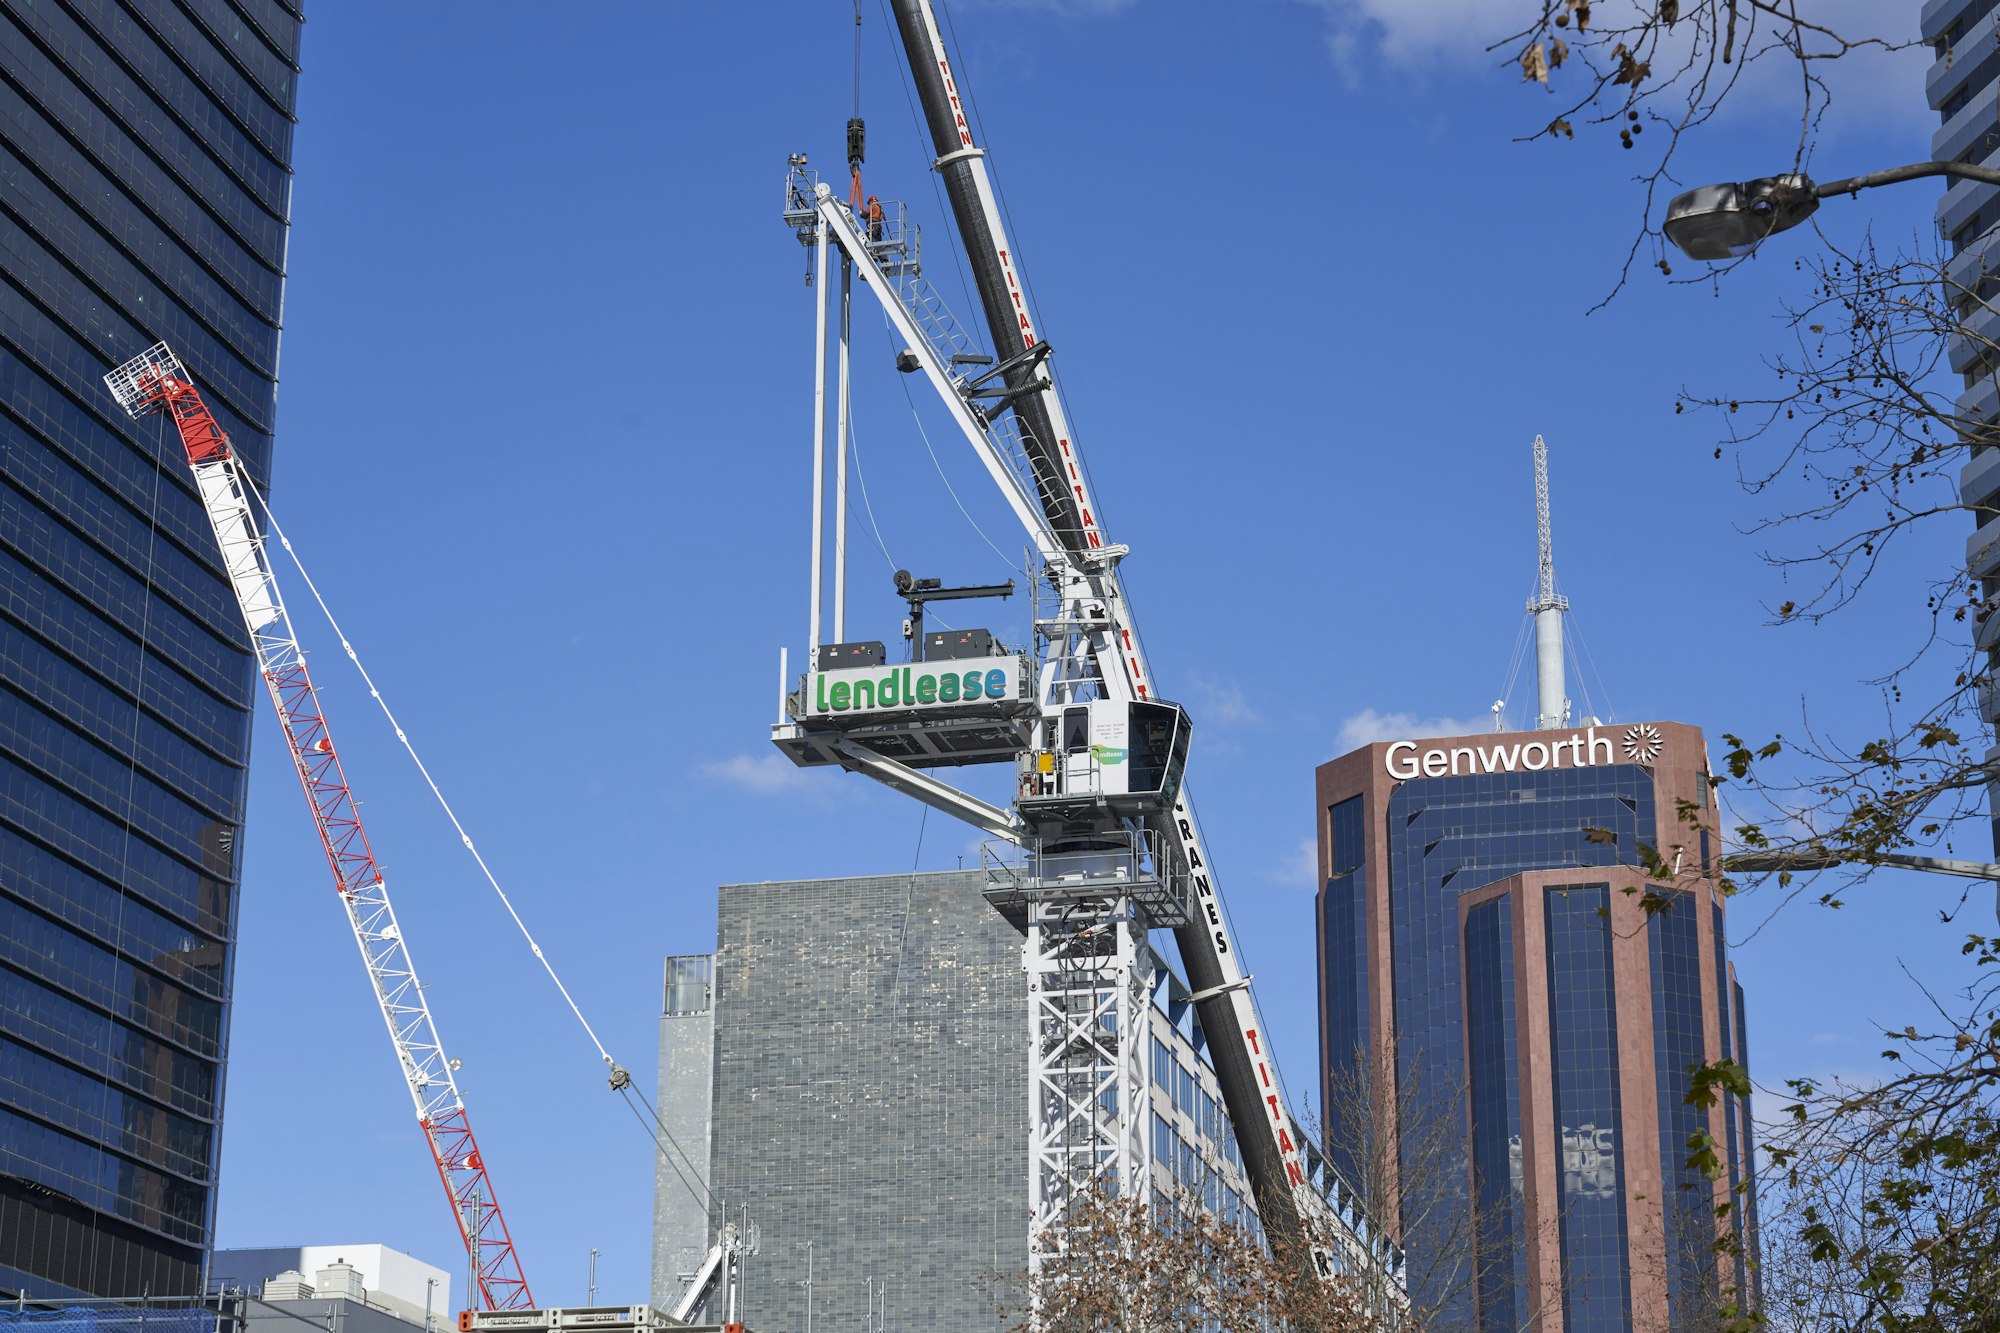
{"type": "Point", "coordinates": [1583, 1073]}
{"type": "Point", "coordinates": [1495, 1093]}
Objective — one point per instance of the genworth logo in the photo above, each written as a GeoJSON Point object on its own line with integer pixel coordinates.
{"type": "Point", "coordinates": [921, 685]}
{"type": "Point", "coordinates": [1641, 744]}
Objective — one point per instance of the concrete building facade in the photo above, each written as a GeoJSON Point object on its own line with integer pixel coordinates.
{"type": "Point", "coordinates": [347, 1288]}
{"type": "Point", "coordinates": [145, 192]}
{"type": "Point", "coordinates": [868, 1099]}
{"type": "Point", "coordinates": [1963, 87]}
{"type": "Point", "coordinates": [1486, 945]}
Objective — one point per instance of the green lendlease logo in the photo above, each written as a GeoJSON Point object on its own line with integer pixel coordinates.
{"type": "Point", "coordinates": [907, 687]}
{"type": "Point", "coordinates": [1108, 754]}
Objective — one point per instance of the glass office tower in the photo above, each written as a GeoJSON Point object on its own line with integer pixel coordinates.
{"type": "Point", "coordinates": [145, 185]}
{"type": "Point", "coordinates": [1483, 946]}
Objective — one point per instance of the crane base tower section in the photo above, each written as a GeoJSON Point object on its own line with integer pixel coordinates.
{"type": "Point", "coordinates": [867, 1101]}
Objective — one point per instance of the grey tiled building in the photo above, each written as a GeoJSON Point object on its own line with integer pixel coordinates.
{"type": "Point", "coordinates": [145, 193]}
{"type": "Point", "coordinates": [869, 1097]}
{"type": "Point", "coordinates": [848, 1075]}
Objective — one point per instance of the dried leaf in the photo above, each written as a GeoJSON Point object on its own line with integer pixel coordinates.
{"type": "Point", "coordinates": [1631, 69]}
{"type": "Point", "coordinates": [1670, 11]}
{"type": "Point", "coordinates": [1562, 127]}
{"type": "Point", "coordinates": [1558, 52]}
{"type": "Point", "coordinates": [1535, 64]}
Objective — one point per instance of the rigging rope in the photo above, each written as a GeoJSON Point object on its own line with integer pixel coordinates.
{"type": "Point", "coordinates": [1515, 661]}
{"type": "Point", "coordinates": [621, 1080]}
{"type": "Point", "coordinates": [867, 507]}
{"type": "Point", "coordinates": [619, 1077]}
{"type": "Point", "coordinates": [1579, 644]}
{"type": "Point", "coordinates": [937, 463]}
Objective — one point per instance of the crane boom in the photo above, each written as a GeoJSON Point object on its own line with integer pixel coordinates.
{"type": "Point", "coordinates": [1276, 1155]}
{"type": "Point", "coordinates": [996, 270]}
{"type": "Point", "coordinates": [156, 382]}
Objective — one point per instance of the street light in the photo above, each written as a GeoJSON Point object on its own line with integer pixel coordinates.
{"type": "Point", "coordinates": [1818, 856]}
{"type": "Point", "coordinates": [1730, 220]}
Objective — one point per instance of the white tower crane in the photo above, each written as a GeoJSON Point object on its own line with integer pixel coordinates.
{"type": "Point", "coordinates": [1109, 855]}
{"type": "Point", "coordinates": [156, 382]}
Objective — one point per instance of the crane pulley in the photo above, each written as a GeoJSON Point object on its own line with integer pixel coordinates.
{"type": "Point", "coordinates": [156, 382]}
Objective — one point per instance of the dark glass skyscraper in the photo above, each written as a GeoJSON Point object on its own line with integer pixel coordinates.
{"type": "Point", "coordinates": [1485, 946]}
{"type": "Point", "coordinates": [145, 187]}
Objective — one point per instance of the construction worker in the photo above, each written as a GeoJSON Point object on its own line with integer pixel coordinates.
{"type": "Point", "coordinates": [874, 215]}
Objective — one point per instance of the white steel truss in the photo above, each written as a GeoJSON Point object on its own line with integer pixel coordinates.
{"type": "Point", "coordinates": [1090, 978]}
{"type": "Point", "coordinates": [156, 381]}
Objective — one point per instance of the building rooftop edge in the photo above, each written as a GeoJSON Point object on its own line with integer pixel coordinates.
{"type": "Point", "coordinates": [824, 879]}
{"type": "Point", "coordinates": [1510, 737]}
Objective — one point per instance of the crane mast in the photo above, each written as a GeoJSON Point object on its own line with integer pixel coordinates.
{"type": "Point", "coordinates": [156, 382]}
{"type": "Point", "coordinates": [1548, 607]}
{"type": "Point", "coordinates": [1085, 951]}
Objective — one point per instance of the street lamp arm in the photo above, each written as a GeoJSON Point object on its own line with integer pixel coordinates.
{"type": "Point", "coordinates": [1914, 171]}
{"type": "Point", "coordinates": [1813, 857]}
{"type": "Point", "coordinates": [1818, 856]}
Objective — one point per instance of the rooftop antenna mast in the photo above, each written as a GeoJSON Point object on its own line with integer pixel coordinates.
{"type": "Point", "coordinates": [1547, 607]}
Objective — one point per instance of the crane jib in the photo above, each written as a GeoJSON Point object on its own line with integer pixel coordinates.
{"type": "Point", "coordinates": [155, 381]}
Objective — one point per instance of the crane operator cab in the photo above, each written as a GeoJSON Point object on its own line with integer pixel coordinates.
{"type": "Point", "coordinates": [1096, 793]}
{"type": "Point", "coordinates": [1105, 757]}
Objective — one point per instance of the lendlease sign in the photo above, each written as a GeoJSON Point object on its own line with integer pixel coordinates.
{"type": "Point", "coordinates": [922, 686]}
{"type": "Point", "coordinates": [1638, 744]}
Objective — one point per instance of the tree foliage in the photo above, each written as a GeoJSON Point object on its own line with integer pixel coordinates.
{"type": "Point", "coordinates": [1858, 443]}
{"type": "Point", "coordinates": [1121, 1265]}
{"type": "Point", "coordinates": [1881, 1206]}
{"type": "Point", "coordinates": [1887, 1193]}
{"type": "Point", "coordinates": [1653, 71]}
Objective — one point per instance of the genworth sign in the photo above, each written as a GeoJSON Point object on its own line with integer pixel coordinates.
{"type": "Point", "coordinates": [1638, 744]}
{"type": "Point", "coordinates": [919, 687]}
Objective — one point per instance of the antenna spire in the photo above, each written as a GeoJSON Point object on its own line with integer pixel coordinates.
{"type": "Point", "coordinates": [1547, 607]}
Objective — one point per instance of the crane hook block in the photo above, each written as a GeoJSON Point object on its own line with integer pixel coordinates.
{"type": "Point", "coordinates": [857, 141]}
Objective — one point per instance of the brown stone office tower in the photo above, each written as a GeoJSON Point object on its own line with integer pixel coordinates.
{"type": "Point", "coordinates": [1482, 945]}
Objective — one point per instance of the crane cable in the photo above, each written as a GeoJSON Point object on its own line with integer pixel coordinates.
{"type": "Point", "coordinates": [618, 1075]}
{"type": "Point", "coordinates": [621, 1080]}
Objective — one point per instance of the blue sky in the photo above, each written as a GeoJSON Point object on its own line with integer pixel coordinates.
{"type": "Point", "coordinates": [544, 444]}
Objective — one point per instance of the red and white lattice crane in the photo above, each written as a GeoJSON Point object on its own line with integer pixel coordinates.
{"type": "Point", "coordinates": [155, 382]}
